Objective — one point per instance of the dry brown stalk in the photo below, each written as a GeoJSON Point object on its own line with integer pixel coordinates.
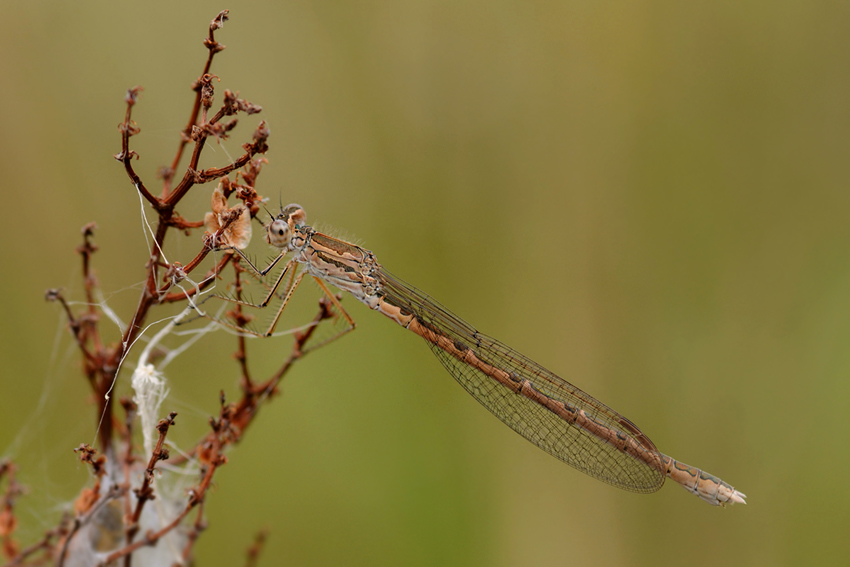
{"type": "Point", "coordinates": [114, 523]}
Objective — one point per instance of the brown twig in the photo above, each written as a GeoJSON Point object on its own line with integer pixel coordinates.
{"type": "Point", "coordinates": [76, 326]}
{"type": "Point", "coordinates": [101, 360]}
{"type": "Point", "coordinates": [245, 410]}
{"type": "Point", "coordinates": [131, 410]}
{"type": "Point", "coordinates": [128, 128]}
{"type": "Point", "coordinates": [86, 250]}
{"type": "Point", "coordinates": [145, 493]}
{"type": "Point", "coordinates": [213, 47]}
{"type": "Point", "coordinates": [239, 317]}
{"type": "Point", "coordinates": [87, 455]}
{"type": "Point", "coordinates": [207, 280]}
{"type": "Point", "coordinates": [165, 207]}
{"type": "Point", "coordinates": [8, 521]}
{"type": "Point", "coordinates": [46, 544]}
{"type": "Point", "coordinates": [192, 536]}
{"type": "Point", "coordinates": [79, 521]}
{"type": "Point", "coordinates": [193, 176]}
{"type": "Point", "coordinates": [180, 223]}
{"type": "Point", "coordinates": [214, 459]}
{"type": "Point", "coordinates": [253, 552]}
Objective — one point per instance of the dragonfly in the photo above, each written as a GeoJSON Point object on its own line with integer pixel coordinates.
{"type": "Point", "coordinates": [555, 415]}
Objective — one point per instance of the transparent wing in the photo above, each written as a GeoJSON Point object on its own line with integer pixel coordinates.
{"type": "Point", "coordinates": [569, 442]}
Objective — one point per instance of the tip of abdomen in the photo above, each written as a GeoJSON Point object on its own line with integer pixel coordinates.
{"type": "Point", "coordinates": [708, 487]}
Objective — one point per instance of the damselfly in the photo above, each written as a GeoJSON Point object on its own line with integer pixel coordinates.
{"type": "Point", "coordinates": [544, 408]}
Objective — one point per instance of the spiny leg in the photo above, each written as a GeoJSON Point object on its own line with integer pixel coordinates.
{"type": "Point", "coordinates": [240, 326]}
{"type": "Point", "coordinates": [290, 269]}
{"type": "Point", "coordinates": [290, 291]}
{"type": "Point", "coordinates": [262, 273]}
{"type": "Point", "coordinates": [293, 284]}
{"type": "Point", "coordinates": [290, 287]}
{"type": "Point", "coordinates": [334, 300]}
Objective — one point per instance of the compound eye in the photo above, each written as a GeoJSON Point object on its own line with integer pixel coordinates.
{"type": "Point", "coordinates": [278, 234]}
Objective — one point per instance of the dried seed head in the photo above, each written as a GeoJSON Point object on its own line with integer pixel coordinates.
{"type": "Point", "coordinates": [233, 225]}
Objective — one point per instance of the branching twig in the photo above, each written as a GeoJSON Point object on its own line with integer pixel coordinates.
{"type": "Point", "coordinates": [114, 492]}
{"type": "Point", "coordinates": [193, 176]}
{"type": "Point", "coordinates": [76, 326]}
{"type": "Point", "coordinates": [208, 279]}
{"type": "Point", "coordinates": [46, 544]}
{"type": "Point", "coordinates": [128, 128]}
{"type": "Point", "coordinates": [145, 493]}
{"type": "Point", "coordinates": [199, 526]}
{"type": "Point", "coordinates": [213, 47]}
{"type": "Point", "coordinates": [165, 206]}
{"type": "Point", "coordinates": [116, 457]}
{"type": "Point", "coordinates": [213, 460]}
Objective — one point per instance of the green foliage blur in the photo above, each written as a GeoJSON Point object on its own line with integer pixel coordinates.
{"type": "Point", "coordinates": [651, 199]}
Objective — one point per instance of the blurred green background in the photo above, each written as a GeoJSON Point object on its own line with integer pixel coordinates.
{"type": "Point", "coordinates": [649, 198]}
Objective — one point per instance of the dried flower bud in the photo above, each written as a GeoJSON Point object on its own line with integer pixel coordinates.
{"type": "Point", "coordinates": [233, 225]}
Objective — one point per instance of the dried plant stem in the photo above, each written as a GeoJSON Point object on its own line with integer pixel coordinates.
{"type": "Point", "coordinates": [253, 552]}
{"type": "Point", "coordinates": [196, 497]}
{"type": "Point", "coordinates": [118, 457]}
{"type": "Point", "coordinates": [145, 493]}
{"type": "Point", "coordinates": [80, 521]}
{"type": "Point", "coordinates": [213, 47]}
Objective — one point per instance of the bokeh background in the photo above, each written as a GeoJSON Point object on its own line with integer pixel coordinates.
{"type": "Point", "coordinates": [649, 198]}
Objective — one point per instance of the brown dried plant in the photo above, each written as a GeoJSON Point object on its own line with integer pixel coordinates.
{"type": "Point", "coordinates": [110, 523]}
